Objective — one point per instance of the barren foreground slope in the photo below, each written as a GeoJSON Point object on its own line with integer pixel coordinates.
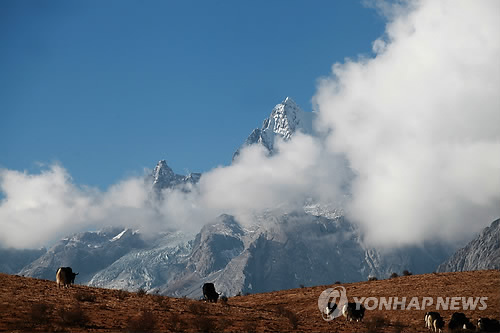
{"type": "Point", "coordinates": [28, 304]}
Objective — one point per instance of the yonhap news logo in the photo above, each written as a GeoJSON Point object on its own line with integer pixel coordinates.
{"type": "Point", "coordinates": [331, 303]}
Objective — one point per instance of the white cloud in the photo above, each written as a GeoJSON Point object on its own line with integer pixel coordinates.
{"type": "Point", "coordinates": [420, 123]}
{"type": "Point", "coordinates": [257, 183]}
{"type": "Point", "coordinates": [39, 208]}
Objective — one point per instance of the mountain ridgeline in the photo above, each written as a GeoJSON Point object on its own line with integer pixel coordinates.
{"type": "Point", "coordinates": [313, 245]}
{"type": "Point", "coordinates": [483, 252]}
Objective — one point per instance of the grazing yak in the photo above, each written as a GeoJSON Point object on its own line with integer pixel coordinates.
{"type": "Point", "coordinates": [460, 321]}
{"type": "Point", "coordinates": [488, 325]}
{"type": "Point", "coordinates": [353, 311]}
{"type": "Point", "coordinates": [330, 308]}
{"type": "Point", "coordinates": [65, 276]}
{"type": "Point", "coordinates": [209, 293]}
{"type": "Point", "coordinates": [434, 321]}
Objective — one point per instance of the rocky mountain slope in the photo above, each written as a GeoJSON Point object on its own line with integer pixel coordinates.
{"type": "Point", "coordinates": [482, 252]}
{"type": "Point", "coordinates": [87, 253]}
{"type": "Point", "coordinates": [277, 253]}
{"type": "Point", "coordinates": [13, 260]}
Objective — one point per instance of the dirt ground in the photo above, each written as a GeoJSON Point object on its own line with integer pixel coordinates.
{"type": "Point", "coordinates": [28, 304]}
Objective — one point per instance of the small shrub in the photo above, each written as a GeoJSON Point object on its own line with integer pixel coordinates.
{"type": "Point", "coordinates": [394, 275]}
{"type": "Point", "coordinates": [292, 318]}
{"type": "Point", "coordinates": [376, 324]}
{"type": "Point", "coordinates": [39, 313]}
{"type": "Point", "coordinates": [197, 308]}
{"type": "Point", "coordinates": [398, 327]}
{"type": "Point", "coordinates": [224, 323]}
{"type": "Point", "coordinates": [206, 324]}
{"type": "Point", "coordinates": [122, 294]}
{"type": "Point", "coordinates": [141, 292]}
{"type": "Point", "coordinates": [337, 282]}
{"type": "Point", "coordinates": [175, 322]}
{"type": "Point", "coordinates": [372, 278]}
{"type": "Point", "coordinates": [302, 286]}
{"type": "Point", "coordinates": [158, 299]}
{"type": "Point", "coordinates": [144, 322]}
{"type": "Point", "coordinates": [407, 272]}
{"type": "Point", "coordinates": [161, 301]}
{"type": "Point", "coordinates": [84, 296]}
{"type": "Point", "coordinates": [74, 316]}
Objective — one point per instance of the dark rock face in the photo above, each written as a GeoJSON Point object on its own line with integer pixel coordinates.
{"type": "Point", "coordinates": [481, 253]}
{"type": "Point", "coordinates": [216, 245]}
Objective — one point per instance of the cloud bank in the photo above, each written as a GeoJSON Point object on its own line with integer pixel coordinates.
{"type": "Point", "coordinates": [40, 208]}
{"type": "Point", "coordinates": [418, 125]}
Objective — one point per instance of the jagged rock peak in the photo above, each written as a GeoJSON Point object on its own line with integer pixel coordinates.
{"type": "Point", "coordinates": [285, 119]}
{"type": "Point", "coordinates": [289, 102]}
{"type": "Point", "coordinates": [162, 171]}
{"type": "Point", "coordinates": [164, 177]}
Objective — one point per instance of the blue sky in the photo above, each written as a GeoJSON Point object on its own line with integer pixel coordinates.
{"type": "Point", "coordinates": [107, 88]}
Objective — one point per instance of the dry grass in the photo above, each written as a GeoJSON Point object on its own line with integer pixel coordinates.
{"type": "Point", "coordinates": [292, 317]}
{"type": "Point", "coordinates": [122, 294]}
{"type": "Point", "coordinates": [145, 321]}
{"type": "Point", "coordinates": [28, 304]}
{"type": "Point", "coordinates": [376, 324]}
{"type": "Point", "coordinates": [40, 313]}
{"type": "Point", "coordinates": [85, 296]}
{"type": "Point", "coordinates": [73, 316]}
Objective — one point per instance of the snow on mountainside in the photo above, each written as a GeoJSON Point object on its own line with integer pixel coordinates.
{"type": "Point", "coordinates": [483, 252]}
{"type": "Point", "coordinates": [86, 252]}
{"type": "Point", "coordinates": [278, 252]}
{"type": "Point", "coordinates": [312, 245]}
{"type": "Point", "coordinates": [286, 118]}
{"type": "Point", "coordinates": [148, 267]}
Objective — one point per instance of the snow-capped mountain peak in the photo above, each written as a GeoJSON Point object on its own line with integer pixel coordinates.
{"type": "Point", "coordinates": [162, 173]}
{"type": "Point", "coordinates": [285, 119]}
{"type": "Point", "coordinates": [164, 177]}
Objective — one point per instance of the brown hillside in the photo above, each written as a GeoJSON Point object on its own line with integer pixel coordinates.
{"type": "Point", "coordinates": [28, 304]}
